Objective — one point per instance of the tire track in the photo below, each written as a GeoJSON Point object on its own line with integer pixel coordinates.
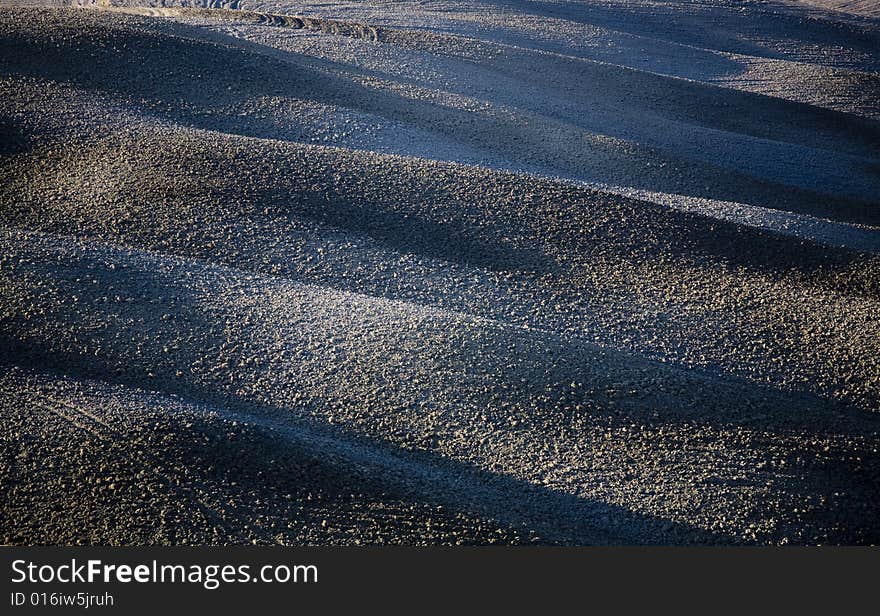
{"type": "Point", "coordinates": [232, 14]}
{"type": "Point", "coordinates": [151, 464]}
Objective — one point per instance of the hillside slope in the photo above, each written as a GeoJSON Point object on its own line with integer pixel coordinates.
{"type": "Point", "coordinates": [446, 272]}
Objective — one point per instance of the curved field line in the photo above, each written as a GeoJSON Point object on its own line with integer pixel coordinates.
{"type": "Point", "coordinates": [145, 460]}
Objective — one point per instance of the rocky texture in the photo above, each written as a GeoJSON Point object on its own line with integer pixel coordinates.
{"type": "Point", "coordinates": [318, 275]}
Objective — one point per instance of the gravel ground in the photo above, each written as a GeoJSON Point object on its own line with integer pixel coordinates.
{"type": "Point", "coordinates": [446, 272]}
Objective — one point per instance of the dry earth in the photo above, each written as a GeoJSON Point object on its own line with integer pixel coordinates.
{"type": "Point", "coordinates": [442, 272]}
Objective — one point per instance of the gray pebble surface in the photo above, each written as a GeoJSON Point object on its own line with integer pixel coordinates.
{"type": "Point", "coordinates": [439, 273]}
